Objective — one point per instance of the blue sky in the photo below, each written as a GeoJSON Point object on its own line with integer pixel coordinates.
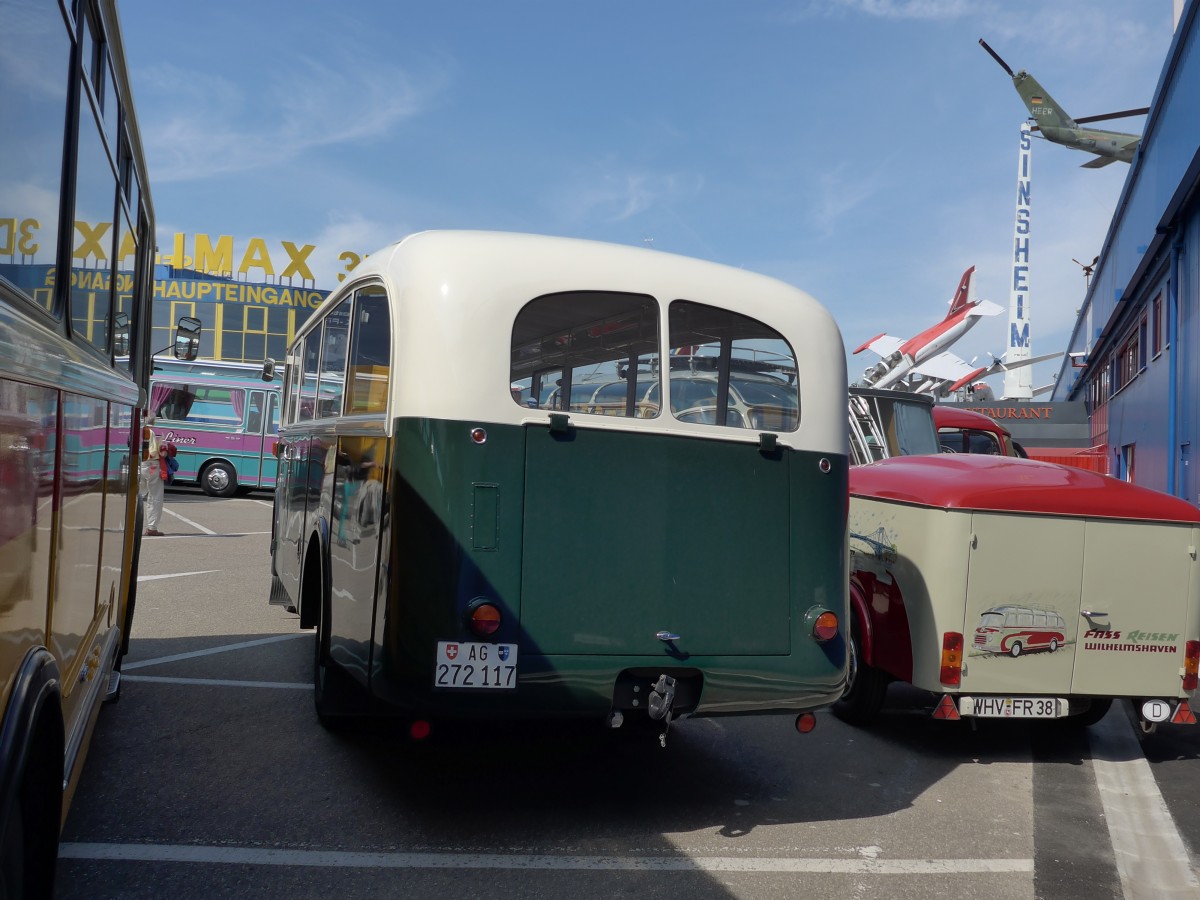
{"type": "Point", "coordinates": [863, 150]}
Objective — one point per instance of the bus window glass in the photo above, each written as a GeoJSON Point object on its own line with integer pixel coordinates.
{"type": "Point", "coordinates": [370, 353]}
{"type": "Point", "coordinates": [311, 356]}
{"type": "Point", "coordinates": [127, 248]}
{"type": "Point", "coordinates": [254, 420]}
{"type": "Point", "coordinates": [273, 414]}
{"type": "Point", "coordinates": [92, 257]}
{"type": "Point", "coordinates": [730, 369]}
{"type": "Point", "coordinates": [34, 50]}
{"type": "Point", "coordinates": [336, 335]}
{"type": "Point", "coordinates": [591, 352]}
{"type": "Point", "coordinates": [198, 404]}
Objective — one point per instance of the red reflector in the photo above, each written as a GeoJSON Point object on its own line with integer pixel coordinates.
{"type": "Point", "coordinates": [1191, 665]}
{"type": "Point", "coordinates": [826, 627]}
{"type": "Point", "coordinates": [805, 722]}
{"type": "Point", "coordinates": [419, 730]}
{"type": "Point", "coordinates": [946, 709]}
{"type": "Point", "coordinates": [484, 619]}
{"type": "Point", "coordinates": [1183, 714]}
{"type": "Point", "coordinates": [952, 654]}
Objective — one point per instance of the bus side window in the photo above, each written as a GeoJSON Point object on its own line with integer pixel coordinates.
{"type": "Point", "coordinates": [335, 338]}
{"type": "Point", "coordinates": [291, 387]}
{"type": "Point", "coordinates": [273, 413]}
{"type": "Point", "coordinates": [255, 419]}
{"type": "Point", "coordinates": [310, 358]}
{"type": "Point", "coordinates": [370, 353]}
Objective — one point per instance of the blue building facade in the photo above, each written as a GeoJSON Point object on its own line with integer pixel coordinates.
{"type": "Point", "coordinates": [1134, 355]}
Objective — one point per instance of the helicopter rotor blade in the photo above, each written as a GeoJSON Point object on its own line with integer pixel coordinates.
{"type": "Point", "coordinates": [1123, 114]}
{"type": "Point", "coordinates": [996, 57]}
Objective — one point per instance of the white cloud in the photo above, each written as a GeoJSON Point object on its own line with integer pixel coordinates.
{"type": "Point", "coordinates": [927, 10]}
{"type": "Point", "coordinates": [208, 124]}
{"type": "Point", "coordinates": [609, 194]}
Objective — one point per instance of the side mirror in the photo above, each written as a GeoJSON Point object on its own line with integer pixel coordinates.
{"type": "Point", "coordinates": [187, 338]}
{"type": "Point", "coordinates": [268, 372]}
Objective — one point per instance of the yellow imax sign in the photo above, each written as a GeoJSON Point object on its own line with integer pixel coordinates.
{"type": "Point", "coordinates": [217, 258]}
{"type": "Point", "coordinates": [94, 241]}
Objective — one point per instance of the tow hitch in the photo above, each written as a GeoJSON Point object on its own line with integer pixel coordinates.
{"type": "Point", "coordinates": [661, 701]}
{"type": "Point", "coordinates": [654, 698]}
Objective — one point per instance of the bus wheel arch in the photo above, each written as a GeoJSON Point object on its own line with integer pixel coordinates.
{"type": "Point", "coordinates": [339, 703]}
{"type": "Point", "coordinates": [218, 478]}
{"type": "Point", "coordinates": [312, 600]}
{"type": "Point", "coordinates": [866, 686]}
{"type": "Point", "coordinates": [31, 799]}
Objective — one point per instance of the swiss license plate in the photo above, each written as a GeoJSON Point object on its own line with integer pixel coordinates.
{"type": "Point", "coordinates": [475, 665]}
{"type": "Point", "coordinates": [1014, 707]}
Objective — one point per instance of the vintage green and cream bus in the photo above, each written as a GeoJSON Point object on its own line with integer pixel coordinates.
{"type": "Point", "coordinates": [470, 540]}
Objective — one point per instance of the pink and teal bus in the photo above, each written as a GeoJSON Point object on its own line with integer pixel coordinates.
{"type": "Point", "coordinates": [223, 419]}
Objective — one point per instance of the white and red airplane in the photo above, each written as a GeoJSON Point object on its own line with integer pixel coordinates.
{"type": "Point", "coordinates": [927, 353]}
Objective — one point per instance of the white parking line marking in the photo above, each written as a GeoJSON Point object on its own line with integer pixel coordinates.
{"type": "Point", "coordinates": [341, 860]}
{"type": "Point", "coordinates": [142, 578]}
{"type": "Point", "coordinates": [1151, 857]}
{"type": "Point", "coordinates": [188, 521]}
{"type": "Point", "coordinates": [212, 650]}
{"type": "Point", "coordinates": [220, 682]}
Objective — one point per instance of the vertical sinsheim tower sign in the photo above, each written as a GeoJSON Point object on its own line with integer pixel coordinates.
{"type": "Point", "coordinates": [1018, 383]}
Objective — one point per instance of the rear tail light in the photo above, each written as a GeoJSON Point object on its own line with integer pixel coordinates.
{"type": "Point", "coordinates": [806, 722]}
{"type": "Point", "coordinates": [825, 627]}
{"type": "Point", "coordinates": [483, 618]}
{"type": "Point", "coordinates": [1191, 665]}
{"type": "Point", "coordinates": [952, 655]}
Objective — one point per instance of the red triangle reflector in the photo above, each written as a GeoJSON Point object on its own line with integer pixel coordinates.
{"type": "Point", "coordinates": [1183, 714]}
{"type": "Point", "coordinates": [946, 708]}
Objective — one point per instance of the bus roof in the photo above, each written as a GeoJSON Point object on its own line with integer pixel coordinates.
{"type": "Point", "coordinates": [456, 294]}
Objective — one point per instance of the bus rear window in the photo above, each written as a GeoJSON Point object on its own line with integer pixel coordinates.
{"type": "Point", "coordinates": [732, 370]}
{"type": "Point", "coordinates": [591, 352]}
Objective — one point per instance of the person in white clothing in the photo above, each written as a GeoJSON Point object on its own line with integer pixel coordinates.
{"type": "Point", "coordinates": [151, 479]}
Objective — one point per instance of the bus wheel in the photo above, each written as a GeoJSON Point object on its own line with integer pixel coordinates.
{"type": "Point", "coordinates": [1015, 650]}
{"type": "Point", "coordinates": [1094, 713]}
{"type": "Point", "coordinates": [337, 699]}
{"type": "Point", "coordinates": [866, 686]}
{"type": "Point", "coordinates": [29, 835]}
{"type": "Point", "coordinates": [219, 480]}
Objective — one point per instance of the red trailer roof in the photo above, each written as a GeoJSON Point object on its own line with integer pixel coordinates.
{"type": "Point", "coordinates": [1008, 484]}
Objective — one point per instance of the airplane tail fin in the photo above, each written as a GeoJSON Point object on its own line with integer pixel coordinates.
{"type": "Point", "coordinates": [964, 295]}
{"type": "Point", "coordinates": [1041, 105]}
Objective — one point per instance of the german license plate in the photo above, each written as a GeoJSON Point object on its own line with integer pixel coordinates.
{"type": "Point", "coordinates": [1013, 707]}
{"type": "Point", "coordinates": [475, 665]}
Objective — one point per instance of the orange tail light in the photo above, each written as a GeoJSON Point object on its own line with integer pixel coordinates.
{"type": "Point", "coordinates": [1191, 665]}
{"type": "Point", "coordinates": [483, 619]}
{"type": "Point", "coordinates": [952, 656]}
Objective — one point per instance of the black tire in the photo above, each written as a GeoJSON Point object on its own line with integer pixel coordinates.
{"type": "Point", "coordinates": [1015, 650]}
{"type": "Point", "coordinates": [866, 687]}
{"type": "Point", "coordinates": [219, 480]}
{"type": "Point", "coordinates": [1053, 645]}
{"type": "Point", "coordinates": [29, 834]}
{"type": "Point", "coordinates": [1097, 711]}
{"type": "Point", "coordinates": [339, 702]}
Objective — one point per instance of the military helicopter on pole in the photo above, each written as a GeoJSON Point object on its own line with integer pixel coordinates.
{"type": "Point", "coordinates": [1056, 126]}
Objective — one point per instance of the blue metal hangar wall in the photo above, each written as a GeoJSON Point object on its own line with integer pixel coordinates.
{"type": "Point", "coordinates": [1134, 355]}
